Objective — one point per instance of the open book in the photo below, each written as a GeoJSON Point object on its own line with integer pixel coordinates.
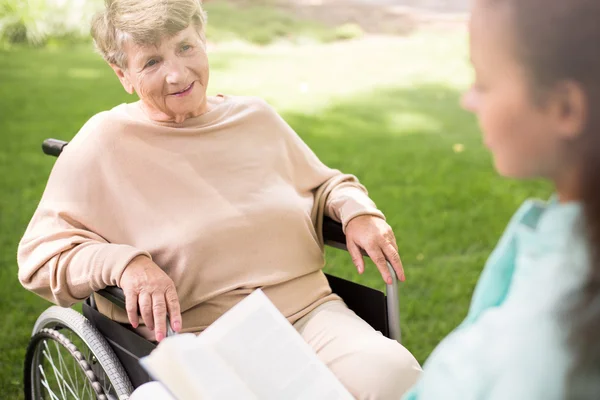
{"type": "Point", "coordinates": [251, 352]}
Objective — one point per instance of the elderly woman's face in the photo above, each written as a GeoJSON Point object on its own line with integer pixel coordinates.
{"type": "Point", "coordinates": [170, 78]}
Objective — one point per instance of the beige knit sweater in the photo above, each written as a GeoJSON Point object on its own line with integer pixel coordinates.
{"type": "Point", "coordinates": [225, 203]}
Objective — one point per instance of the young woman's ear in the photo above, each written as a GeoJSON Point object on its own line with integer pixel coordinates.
{"type": "Point", "coordinates": [569, 108]}
{"type": "Point", "coordinates": [123, 78]}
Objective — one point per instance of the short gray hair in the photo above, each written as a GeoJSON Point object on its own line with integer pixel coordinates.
{"type": "Point", "coordinates": [144, 22]}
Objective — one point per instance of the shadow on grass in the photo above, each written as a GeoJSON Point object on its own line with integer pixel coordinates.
{"type": "Point", "coordinates": [447, 208]}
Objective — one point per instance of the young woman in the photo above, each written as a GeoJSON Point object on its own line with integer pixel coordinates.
{"type": "Point", "coordinates": [533, 328]}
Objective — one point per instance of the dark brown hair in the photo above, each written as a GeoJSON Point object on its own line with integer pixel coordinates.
{"type": "Point", "coordinates": [559, 40]}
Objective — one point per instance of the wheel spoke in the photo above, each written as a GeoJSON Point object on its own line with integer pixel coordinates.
{"type": "Point", "coordinates": [87, 386]}
{"type": "Point", "coordinates": [108, 389]}
{"type": "Point", "coordinates": [62, 364]}
{"type": "Point", "coordinates": [47, 385]}
{"type": "Point", "coordinates": [60, 378]}
{"type": "Point", "coordinates": [73, 338]}
{"type": "Point", "coordinates": [75, 372]}
{"type": "Point", "coordinates": [46, 352]}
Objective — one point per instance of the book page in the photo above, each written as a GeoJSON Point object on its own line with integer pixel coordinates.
{"type": "Point", "coordinates": [251, 352]}
{"type": "Point", "coordinates": [190, 371]}
{"type": "Point", "coordinates": [269, 355]}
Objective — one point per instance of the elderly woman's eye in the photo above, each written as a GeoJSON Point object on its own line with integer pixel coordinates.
{"type": "Point", "coordinates": [186, 47]}
{"type": "Point", "coordinates": [151, 63]}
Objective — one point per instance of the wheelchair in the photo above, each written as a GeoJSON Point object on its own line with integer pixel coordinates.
{"type": "Point", "coordinates": [73, 355]}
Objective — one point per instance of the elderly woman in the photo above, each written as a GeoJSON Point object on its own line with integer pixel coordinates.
{"type": "Point", "coordinates": [190, 202]}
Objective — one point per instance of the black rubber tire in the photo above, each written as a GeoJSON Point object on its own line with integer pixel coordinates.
{"type": "Point", "coordinates": [59, 318]}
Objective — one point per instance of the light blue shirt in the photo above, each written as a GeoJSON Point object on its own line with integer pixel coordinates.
{"type": "Point", "coordinates": [512, 344]}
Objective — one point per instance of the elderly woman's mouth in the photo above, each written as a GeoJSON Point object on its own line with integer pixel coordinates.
{"type": "Point", "coordinates": [183, 92]}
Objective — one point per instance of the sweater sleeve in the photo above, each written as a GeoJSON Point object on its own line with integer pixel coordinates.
{"type": "Point", "coordinates": [61, 257]}
{"type": "Point", "coordinates": [346, 200]}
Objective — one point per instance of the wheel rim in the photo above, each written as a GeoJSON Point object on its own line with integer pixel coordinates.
{"type": "Point", "coordinates": [64, 367]}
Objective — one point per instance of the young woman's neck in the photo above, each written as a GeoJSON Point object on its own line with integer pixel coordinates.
{"type": "Point", "coordinates": [567, 186]}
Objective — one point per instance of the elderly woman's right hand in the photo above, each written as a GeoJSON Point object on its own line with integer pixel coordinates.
{"type": "Point", "coordinates": [146, 284]}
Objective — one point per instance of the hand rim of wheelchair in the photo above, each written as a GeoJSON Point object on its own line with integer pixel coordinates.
{"type": "Point", "coordinates": [92, 355]}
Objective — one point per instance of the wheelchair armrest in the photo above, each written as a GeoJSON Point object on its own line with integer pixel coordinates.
{"type": "Point", "coordinates": [333, 234]}
{"type": "Point", "coordinates": [113, 294]}
{"type": "Point", "coordinates": [116, 296]}
{"type": "Point", "coordinates": [53, 147]}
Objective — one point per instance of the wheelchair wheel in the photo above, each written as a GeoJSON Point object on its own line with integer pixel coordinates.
{"type": "Point", "coordinates": [67, 358]}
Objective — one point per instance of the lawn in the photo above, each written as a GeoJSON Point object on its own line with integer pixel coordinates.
{"type": "Point", "coordinates": [383, 109]}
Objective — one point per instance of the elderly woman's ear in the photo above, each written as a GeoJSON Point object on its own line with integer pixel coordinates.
{"type": "Point", "coordinates": [123, 78]}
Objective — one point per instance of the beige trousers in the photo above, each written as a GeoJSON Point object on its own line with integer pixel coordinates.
{"type": "Point", "coordinates": [367, 363]}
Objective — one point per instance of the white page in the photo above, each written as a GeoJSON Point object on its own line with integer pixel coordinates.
{"type": "Point", "coordinates": [251, 352]}
{"type": "Point", "coordinates": [192, 371]}
{"type": "Point", "coordinates": [269, 355]}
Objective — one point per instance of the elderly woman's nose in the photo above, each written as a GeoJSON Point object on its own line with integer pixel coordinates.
{"type": "Point", "coordinates": [175, 73]}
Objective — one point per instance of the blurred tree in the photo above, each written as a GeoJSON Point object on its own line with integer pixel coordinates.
{"type": "Point", "coordinates": [34, 21]}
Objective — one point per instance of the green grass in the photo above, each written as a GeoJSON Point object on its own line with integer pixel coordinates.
{"type": "Point", "coordinates": [385, 110]}
{"type": "Point", "coordinates": [262, 24]}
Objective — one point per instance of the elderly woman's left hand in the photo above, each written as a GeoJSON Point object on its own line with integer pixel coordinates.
{"type": "Point", "coordinates": [374, 236]}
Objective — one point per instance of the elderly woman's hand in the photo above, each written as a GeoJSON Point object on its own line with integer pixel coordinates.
{"type": "Point", "coordinates": [146, 284]}
{"type": "Point", "coordinates": [374, 236]}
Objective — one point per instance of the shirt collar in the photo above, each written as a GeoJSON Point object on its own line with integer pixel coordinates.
{"type": "Point", "coordinates": [551, 221]}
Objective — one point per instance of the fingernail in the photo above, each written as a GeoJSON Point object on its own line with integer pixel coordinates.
{"type": "Point", "coordinates": [159, 337]}
{"type": "Point", "coordinates": [177, 326]}
{"type": "Point", "coordinates": [389, 280]}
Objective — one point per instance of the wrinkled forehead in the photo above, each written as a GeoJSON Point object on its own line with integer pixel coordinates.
{"type": "Point", "coordinates": [139, 50]}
